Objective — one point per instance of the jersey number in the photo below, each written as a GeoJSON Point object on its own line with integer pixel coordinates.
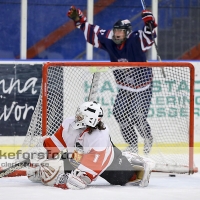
{"type": "Point", "coordinates": [102, 31]}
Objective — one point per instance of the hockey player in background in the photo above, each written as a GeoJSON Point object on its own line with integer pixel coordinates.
{"type": "Point", "coordinates": [132, 103]}
{"type": "Point", "coordinates": [90, 153]}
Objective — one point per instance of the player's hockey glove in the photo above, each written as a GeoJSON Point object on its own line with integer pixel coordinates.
{"type": "Point", "coordinates": [75, 180]}
{"type": "Point", "coordinates": [78, 180]}
{"type": "Point", "coordinates": [149, 19]}
{"type": "Point", "coordinates": [76, 15]}
{"type": "Point", "coordinates": [61, 181]}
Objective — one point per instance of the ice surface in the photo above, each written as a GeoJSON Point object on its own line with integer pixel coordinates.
{"type": "Point", "coordinates": [161, 187]}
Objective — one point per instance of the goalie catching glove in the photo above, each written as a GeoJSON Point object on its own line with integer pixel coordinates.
{"type": "Point", "coordinates": [76, 15]}
{"type": "Point", "coordinates": [75, 180]}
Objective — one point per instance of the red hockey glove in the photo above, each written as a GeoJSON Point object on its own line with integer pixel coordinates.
{"type": "Point", "coordinates": [148, 18]}
{"type": "Point", "coordinates": [76, 15]}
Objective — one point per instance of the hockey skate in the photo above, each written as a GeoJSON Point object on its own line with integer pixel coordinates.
{"type": "Point", "coordinates": [148, 142]}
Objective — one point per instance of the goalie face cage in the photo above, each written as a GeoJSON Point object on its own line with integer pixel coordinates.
{"type": "Point", "coordinates": [141, 107]}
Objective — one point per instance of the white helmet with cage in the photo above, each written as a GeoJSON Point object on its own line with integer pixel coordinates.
{"type": "Point", "coordinates": [88, 114]}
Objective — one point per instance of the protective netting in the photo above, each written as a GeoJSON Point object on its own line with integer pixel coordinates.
{"type": "Point", "coordinates": [142, 108]}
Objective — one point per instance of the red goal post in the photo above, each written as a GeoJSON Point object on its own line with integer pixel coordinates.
{"type": "Point", "coordinates": [66, 85]}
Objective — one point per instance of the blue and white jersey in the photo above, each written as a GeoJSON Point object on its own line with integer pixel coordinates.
{"type": "Point", "coordinates": [132, 50]}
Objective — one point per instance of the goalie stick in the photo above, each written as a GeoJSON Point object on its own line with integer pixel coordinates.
{"type": "Point", "coordinates": [14, 167]}
{"type": "Point", "coordinates": [94, 86]}
{"type": "Point", "coordinates": [18, 165]}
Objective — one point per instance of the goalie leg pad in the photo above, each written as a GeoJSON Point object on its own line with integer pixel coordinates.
{"type": "Point", "coordinates": [142, 167]}
{"type": "Point", "coordinates": [146, 176]}
{"type": "Point", "coordinates": [143, 174]}
{"type": "Point", "coordinates": [139, 171]}
{"type": "Point", "coordinates": [139, 174]}
{"type": "Point", "coordinates": [133, 158]}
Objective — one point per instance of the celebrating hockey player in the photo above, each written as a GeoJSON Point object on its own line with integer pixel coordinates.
{"type": "Point", "coordinates": [132, 103]}
{"type": "Point", "coordinates": [89, 153]}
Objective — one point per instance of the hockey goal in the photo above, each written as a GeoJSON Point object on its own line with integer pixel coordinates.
{"type": "Point", "coordinates": [66, 85]}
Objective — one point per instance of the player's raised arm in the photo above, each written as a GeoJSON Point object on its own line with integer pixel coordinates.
{"type": "Point", "coordinates": [146, 35]}
{"type": "Point", "coordinates": [93, 33]}
{"type": "Point", "coordinates": [77, 16]}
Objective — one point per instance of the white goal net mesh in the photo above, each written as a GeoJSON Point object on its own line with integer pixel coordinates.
{"type": "Point", "coordinates": [147, 112]}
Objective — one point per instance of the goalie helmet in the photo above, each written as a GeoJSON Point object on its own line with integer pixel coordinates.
{"type": "Point", "coordinates": [123, 25]}
{"type": "Point", "coordinates": [88, 114]}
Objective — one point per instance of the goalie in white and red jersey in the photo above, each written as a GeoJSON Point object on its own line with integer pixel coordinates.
{"type": "Point", "coordinates": [89, 153]}
{"type": "Point", "coordinates": [133, 100]}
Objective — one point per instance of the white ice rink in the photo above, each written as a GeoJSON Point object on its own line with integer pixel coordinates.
{"type": "Point", "coordinates": [161, 187]}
